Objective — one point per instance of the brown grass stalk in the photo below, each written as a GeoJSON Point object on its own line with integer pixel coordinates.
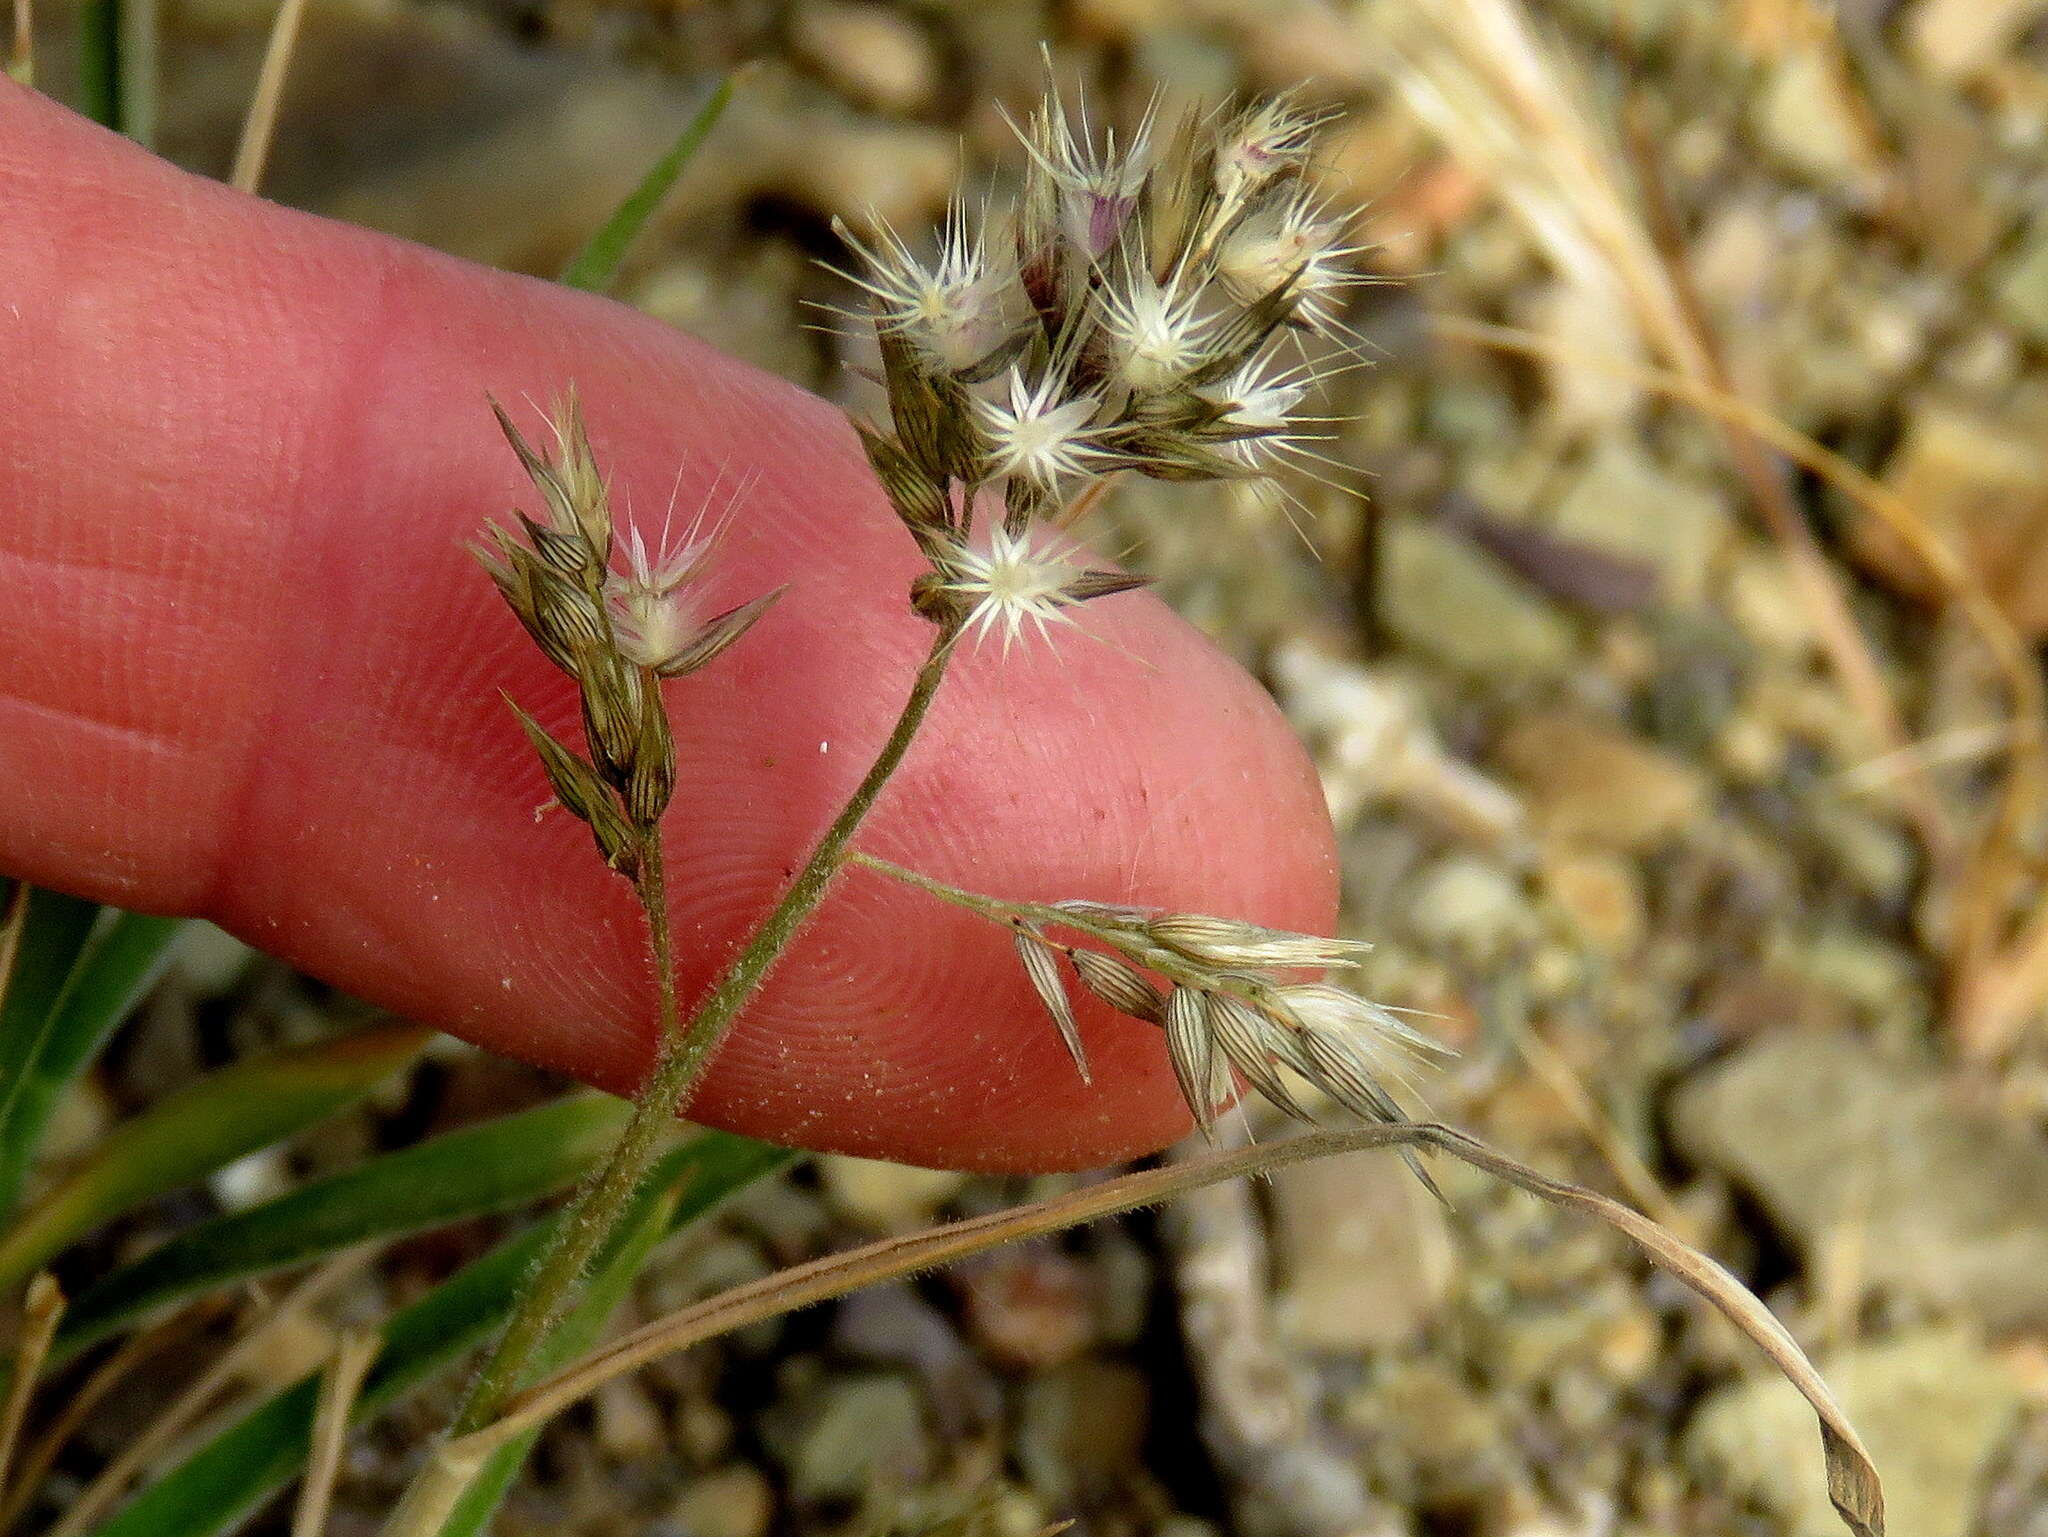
{"type": "Point", "coordinates": [41, 1313]}
{"type": "Point", "coordinates": [338, 1389]}
{"type": "Point", "coordinates": [12, 921]}
{"type": "Point", "coordinates": [260, 125]}
{"type": "Point", "coordinates": [76, 1409]}
{"type": "Point", "coordinates": [100, 1495]}
{"type": "Point", "coordinates": [1996, 982]}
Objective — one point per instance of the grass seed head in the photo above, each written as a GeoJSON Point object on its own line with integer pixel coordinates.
{"type": "Point", "coordinates": [1230, 1008]}
{"type": "Point", "coordinates": [1126, 314]}
{"type": "Point", "coordinates": [616, 616]}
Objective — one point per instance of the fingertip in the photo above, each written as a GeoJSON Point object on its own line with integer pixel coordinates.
{"type": "Point", "coordinates": [287, 715]}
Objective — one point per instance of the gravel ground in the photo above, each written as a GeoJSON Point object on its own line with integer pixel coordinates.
{"type": "Point", "coordinates": [1663, 765]}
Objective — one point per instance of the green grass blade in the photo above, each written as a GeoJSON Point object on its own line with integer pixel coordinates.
{"type": "Point", "coordinates": [104, 983]}
{"type": "Point", "coordinates": [54, 932]}
{"type": "Point", "coordinates": [53, 936]}
{"type": "Point", "coordinates": [579, 1332]}
{"type": "Point", "coordinates": [118, 47]}
{"type": "Point", "coordinates": [468, 1173]}
{"type": "Point", "coordinates": [597, 263]}
{"type": "Point", "coordinates": [99, 62]}
{"type": "Point", "coordinates": [203, 1128]}
{"type": "Point", "coordinates": [217, 1486]}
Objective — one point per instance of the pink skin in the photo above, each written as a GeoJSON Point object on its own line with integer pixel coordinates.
{"type": "Point", "coordinates": [247, 671]}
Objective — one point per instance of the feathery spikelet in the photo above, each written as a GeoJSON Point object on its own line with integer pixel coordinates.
{"type": "Point", "coordinates": [1040, 432]}
{"type": "Point", "coordinates": [958, 310]}
{"type": "Point", "coordinates": [1019, 580]}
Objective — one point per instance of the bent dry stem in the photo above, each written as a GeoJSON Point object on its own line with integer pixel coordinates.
{"type": "Point", "coordinates": [1852, 1481]}
{"type": "Point", "coordinates": [687, 1051]}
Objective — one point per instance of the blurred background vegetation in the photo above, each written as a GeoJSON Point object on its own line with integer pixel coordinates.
{"type": "Point", "coordinates": [1665, 623]}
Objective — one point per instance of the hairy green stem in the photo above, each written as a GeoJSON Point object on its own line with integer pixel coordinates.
{"type": "Point", "coordinates": [993, 908]}
{"type": "Point", "coordinates": [685, 1052]}
{"type": "Point", "coordinates": [597, 1205]}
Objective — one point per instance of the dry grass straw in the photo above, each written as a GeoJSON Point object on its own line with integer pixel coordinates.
{"type": "Point", "coordinates": [13, 919]}
{"type": "Point", "coordinates": [339, 1387]}
{"type": "Point", "coordinates": [41, 1313]}
{"type": "Point", "coordinates": [114, 1479]}
{"type": "Point", "coordinates": [260, 125]}
{"type": "Point", "coordinates": [1475, 74]}
{"type": "Point", "coordinates": [78, 1407]}
{"type": "Point", "coordinates": [1474, 71]}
